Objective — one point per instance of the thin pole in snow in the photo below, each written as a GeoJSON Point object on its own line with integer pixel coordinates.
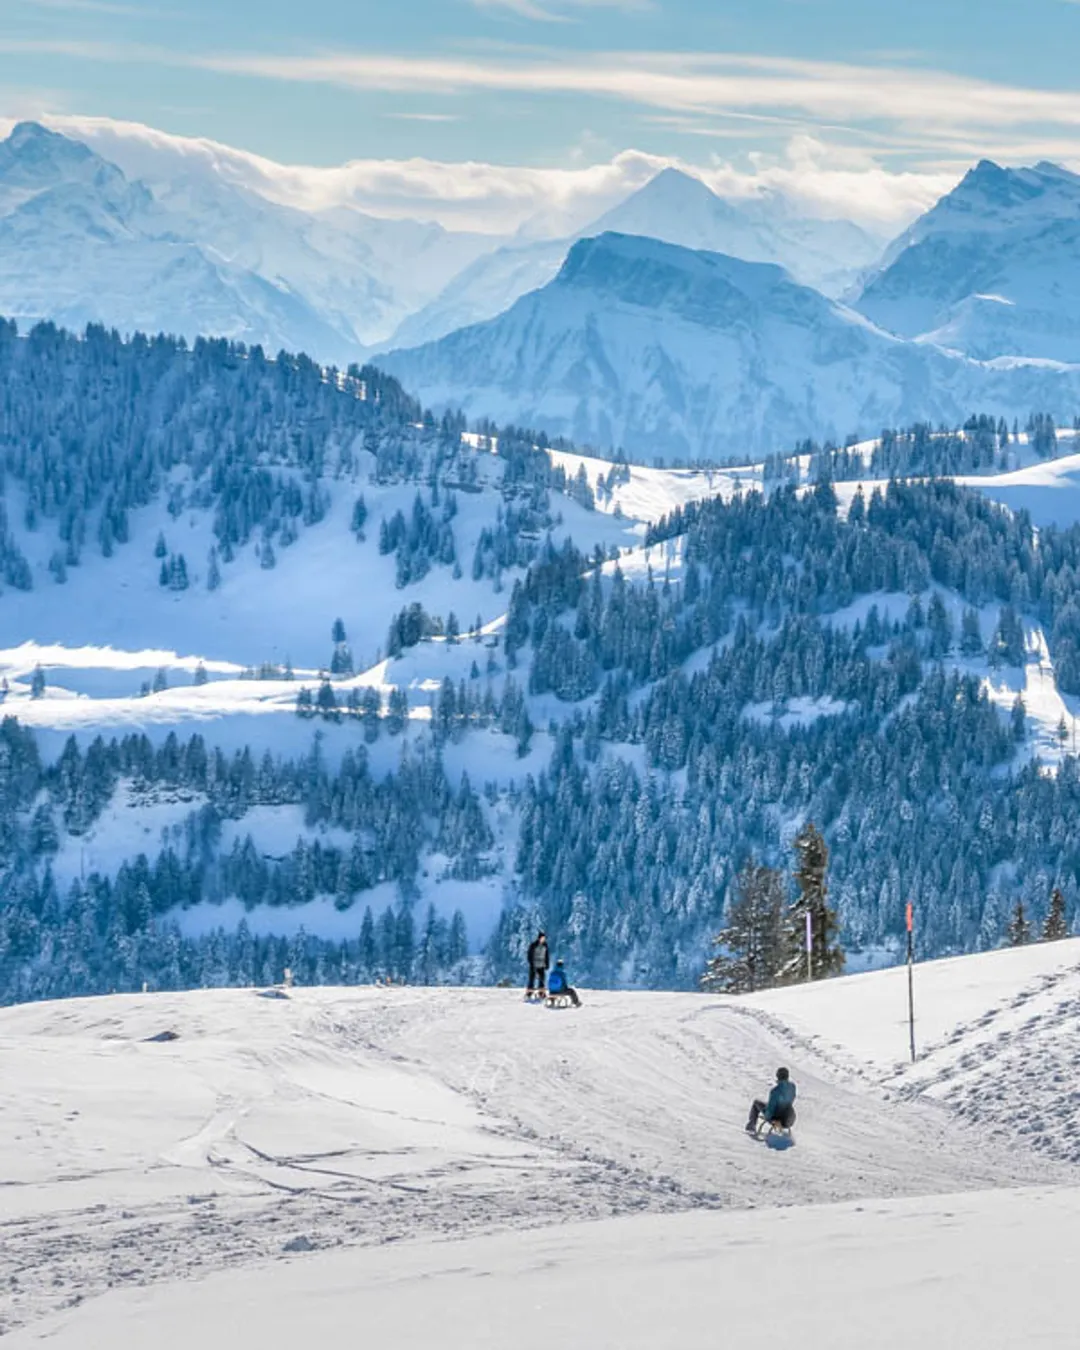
{"type": "Point", "coordinates": [911, 975]}
{"type": "Point", "coordinates": [809, 946]}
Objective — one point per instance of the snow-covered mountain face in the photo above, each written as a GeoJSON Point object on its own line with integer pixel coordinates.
{"type": "Point", "coordinates": [362, 275]}
{"type": "Point", "coordinates": [81, 244]}
{"type": "Point", "coordinates": [675, 208]}
{"type": "Point", "coordinates": [191, 253]}
{"type": "Point", "coordinates": [666, 353]}
{"type": "Point", "coordinates": [992, 270]}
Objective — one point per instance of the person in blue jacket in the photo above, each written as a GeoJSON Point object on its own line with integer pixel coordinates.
{"type": "Point", "coordinates": [559, 984]}
{"type": "Point", "coordinates": [779, 1108]}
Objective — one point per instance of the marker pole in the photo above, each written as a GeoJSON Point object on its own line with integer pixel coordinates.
{"type": "Point", "coordinates": [911, 975]}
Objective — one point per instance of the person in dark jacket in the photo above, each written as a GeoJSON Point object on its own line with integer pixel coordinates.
{"type": "Point", "coordinates": [559, 984]}
{"type": "Point", "coordinates": [779, 1108]}
{"type": "Point", "coordinates": [539, 963]}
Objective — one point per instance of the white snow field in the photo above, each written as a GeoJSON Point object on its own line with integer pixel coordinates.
{"type": "Point", "coordinates": [152, 1186]}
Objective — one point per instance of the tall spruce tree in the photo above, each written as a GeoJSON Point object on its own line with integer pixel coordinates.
{"type": "Point", "coordinates": [1055, 927]}
{"type": "Point", "coordinates": [827, 955]}
{"type": "Point", "coordinates": [1019, 930]}
{"type": "Point", "coordinates": [750, 949]}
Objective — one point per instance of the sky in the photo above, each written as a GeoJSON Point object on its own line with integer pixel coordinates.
{"type": "Point", "coordinates": [860, 107]}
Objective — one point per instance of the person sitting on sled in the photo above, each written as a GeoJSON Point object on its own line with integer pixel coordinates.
{"type": "Point", "coordinates": [558, 984]}
{"type": "Point", "coordinates": [779, 1109]}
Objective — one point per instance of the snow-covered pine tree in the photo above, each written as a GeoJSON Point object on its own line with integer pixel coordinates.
{"type": "Point", "coordinates": [1018, 718]}
{"type": "Point", "coordinates": [971, 643]}
{"type": "Point", "coordinates": [1055, 927]}
{"type": "Point", "coordinates": [341, 661]}
{"type": "Point", "coordinates": [397, 711]}
{"type": "Point", "coordinates": [326, 703]}
{"type": "Point", "coordinates": [827, 956]}
{"type": "Point", "coordinates": [750, 949]}
{"type": "Point", "coordinates": [1019, 930]}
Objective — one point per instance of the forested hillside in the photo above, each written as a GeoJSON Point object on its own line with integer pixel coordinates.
{"type": "Point", "coordinates": [523, 702]}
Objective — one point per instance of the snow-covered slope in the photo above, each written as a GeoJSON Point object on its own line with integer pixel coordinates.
{"type": "Point", "coordinates": [666, 352]}
{"type": "Point", "coordinates": [973, 1270]}
{"type": "Point", "coordinates": [271, 1126]}
{"type": "Point", "coordinates": [675, 208]}
{"type": "Point", "coordinates": [992, 270]}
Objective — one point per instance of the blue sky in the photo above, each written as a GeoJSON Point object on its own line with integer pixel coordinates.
{"type": "Point", "coordinates": [912, 87]}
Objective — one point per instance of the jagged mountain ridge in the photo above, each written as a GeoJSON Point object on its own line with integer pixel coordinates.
{"type": "Point", "coordinates": [993, 270]}
{"type": "Point", "coordinates": [670, 353]}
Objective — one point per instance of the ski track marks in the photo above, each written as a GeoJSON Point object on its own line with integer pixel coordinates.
{"type": "Point", "coordinates": [337, 1117]}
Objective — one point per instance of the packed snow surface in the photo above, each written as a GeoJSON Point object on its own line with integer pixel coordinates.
{"type": "Point", "coordinates": [272, 1126]}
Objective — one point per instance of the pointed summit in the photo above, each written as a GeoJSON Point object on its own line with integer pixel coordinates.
{"type": "Point", "coordinates": [680, 209]}
{"type": "Point", "coordinates": [991, 270]}
{"type": "Point", "coordinates": [37, 156]}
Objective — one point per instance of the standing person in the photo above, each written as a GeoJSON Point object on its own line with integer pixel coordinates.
{"type": "Point", "coordinates": [559, 984]}
{"type": "Point", "coordinates": [779, 1108]}
{"type": "Point", "coordinates": [539, 963]}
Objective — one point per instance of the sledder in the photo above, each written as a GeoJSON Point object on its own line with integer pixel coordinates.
{"type": "Point", "coordinates": [777, 1115]}
{"type": "Point", "coordinates": [560, 991]}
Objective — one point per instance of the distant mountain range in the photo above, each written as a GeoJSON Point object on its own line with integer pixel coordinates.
{"type": "Point", "coordinates": [678, 325]}
{"type": "Point", "coordinates": [174, 241]}
{"type": "Point", "coordinates": [81, 242]}
{"type": "Point", "coordinates": [670, 353]}
{"type": "Point", "coordinates": [675, 208]}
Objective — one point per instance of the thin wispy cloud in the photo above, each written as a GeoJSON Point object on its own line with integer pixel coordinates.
{"type": "Point", "coordinates": [928, 104]}
{"type": "Point", "coordinates": [422, 117]}
{"type": "Point", "coordinates": [691, 83]}
{"type": "Point", "coordinates": [558, 11]}
{"type": "Point", "coordinates": [92, 7]}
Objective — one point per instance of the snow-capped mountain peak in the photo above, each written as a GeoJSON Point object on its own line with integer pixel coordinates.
{"type": "Point", "coordinates": [1002, 234]}
{"type": "Point", "coordinates": [33, 156]}
{"type": "Point", "coordinates": [36, 162]}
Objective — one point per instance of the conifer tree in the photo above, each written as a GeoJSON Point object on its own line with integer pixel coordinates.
{"type": "Point", "coordinates": [827, 956]}
{"type": "Point", "coordinates": [971, 642]}
{"type": "Point", "coordinates": [1055, 927]}
{"type": "Point", "coordinates": [1019, 930]}
{"type": "Point", "coordinates": [750, 948]}
{"type": "Point", "coordinates": [326, 702]}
